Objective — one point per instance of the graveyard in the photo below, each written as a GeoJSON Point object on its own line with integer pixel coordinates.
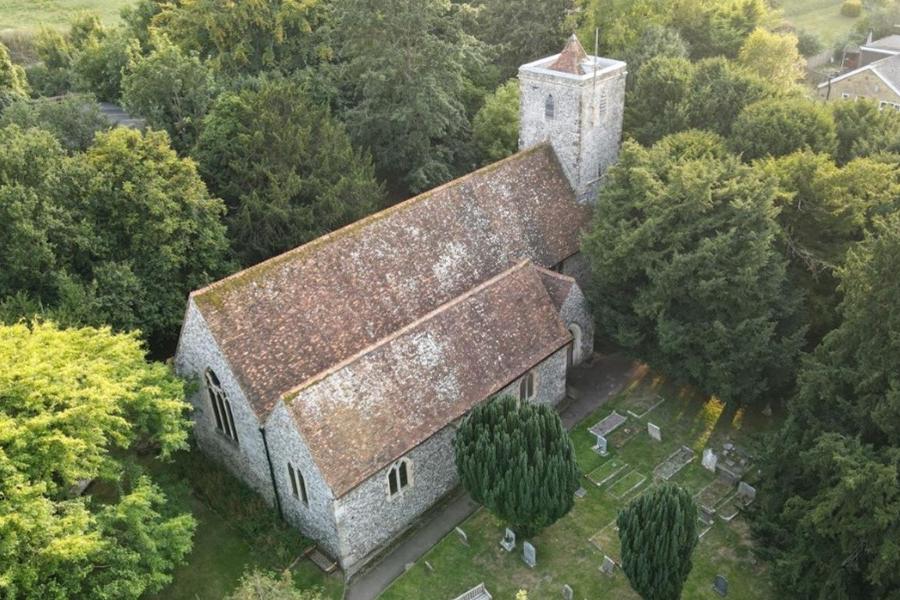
{"type": "Point", "coordinates": [651, 432]}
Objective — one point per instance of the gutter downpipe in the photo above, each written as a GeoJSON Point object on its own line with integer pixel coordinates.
{"type": "Point", "coordinates": [262, 432]}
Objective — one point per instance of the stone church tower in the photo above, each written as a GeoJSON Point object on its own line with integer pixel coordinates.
{"type": "Point", "coordinates": [575, 102]}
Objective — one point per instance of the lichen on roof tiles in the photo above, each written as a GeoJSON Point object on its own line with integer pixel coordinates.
{"type": "Point", "coordinates": [377, 405]}
{"type": "Point", "coordinates": [287, 319]}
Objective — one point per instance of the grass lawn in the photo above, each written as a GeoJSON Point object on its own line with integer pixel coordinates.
{"type": "Point", "coordinates": [235, 531]}
{"type": "Point", "coordinates": [820, 17]}
{"type": "Point", "coordinates": [32, 14]}
{"type": "Point", "coordinates": [571, 551]}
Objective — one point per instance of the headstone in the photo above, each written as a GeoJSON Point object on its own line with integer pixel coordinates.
{"type": "Point", "coordinates": [608, 565]}
{"type": "Point", "coordinates": [710, 460]}
{"type": "Point", "coordinates": [529, 554]}
{"type": "Point", "coordinates": [746, 492]}
{"type": "Point", "coordinates": [720, 585]}
{"type": "Point", "coordinates": [728, 446]}
{"type": "Point", "coordinates": [462, 536]}
{"type": "Point", "coordinates": [600, 448]}
{"type": "Point", "coordinates": [429, 567]}
{"type": "Point", "coordinates": [580, 492]}
{"type": "Point", "coordinates": [654, 431]}
{"type": "Point", "coordinates": [567, 592]}
{"type": "Point", "coordinates": [509, 540]}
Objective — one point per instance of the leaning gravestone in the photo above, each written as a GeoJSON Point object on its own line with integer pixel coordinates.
{"type": "Point", "coordinates": [509, 540]}
{"type": "Point", "coordinates": [746, 492]}
{"type": "Point", "coordinates": [608, 565]}
{"type": "Point", "coordinates": [710, 460]}
{"type": "Point", "coordinates": [580, 492]}
{"type": "Point", "coordinates": [462, 536]}
{"type": "Point", "coordinates": [720, 585]}
{"type": "Point", "coordinates": [529, 554]}
{"type": "Point", "coordinates": [654, 432]}
{"type": "Point", "coordinates": [567, 592]}
{"type": "Point", "coordinates": [600, 448]}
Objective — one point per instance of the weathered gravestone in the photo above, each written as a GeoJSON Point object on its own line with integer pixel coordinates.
{"type": "Point", "coordinates": [746, 492]}
{"type": "Point", "coordinates": [580, 492]}
{"type": "Point", "coordinates": [720, 585]}
{"type": "Point", "coordinates": [710, 460]}
{"type": "Point", "coordinates": [654, 432]}
{"type": "Point", "coordinates": [567, 592]}
{"type": "Point", "coordinates": [608, 565]}
{"type": "Point", "coordinates": [509, 540]}
{"type": "Point", "coordinates": [462, 536]}
{"type": "Point", "coordinates": [600, 448]}
{"type": "Point", "coordinates": [529, 554]}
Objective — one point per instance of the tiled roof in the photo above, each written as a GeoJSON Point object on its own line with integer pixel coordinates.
{"type": "Point", "coordinates": [891, 42]}
{"type": "Point", "coordinates": [287, 319]}
{"type": "Point", "coordinates": [889, 71]}
{"type": "Point", "coordinates": [373, 408]}
{"type": "Point", "coordinates": [557, 284]}
{"type": "Point", "coordinates": [570, 59]}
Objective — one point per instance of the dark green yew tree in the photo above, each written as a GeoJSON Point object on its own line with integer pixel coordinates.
{"type": "Point", "coordinates": [518, 461]}
{"type": "Point", "coordinates": [687, 273]}
{"type": "Point", "coordinates": [658, 531]}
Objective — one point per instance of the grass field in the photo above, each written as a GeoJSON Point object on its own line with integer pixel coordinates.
{"type": "Point", "coordinates": [569, 552]}
{"type": "Point", "coordinates": [820, 17]}
{"type": "Point", "coordinates": [29, 15]}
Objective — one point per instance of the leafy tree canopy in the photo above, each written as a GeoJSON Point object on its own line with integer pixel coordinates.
{"type": "Point", "coordinates": [243, 38]}
{"type": "Point", "coordinates": [13, 84]}
{"type": "Point", "coordinates": [831, 472]}
{"type": "Point", "coordinates": [775, 127]}
{"type": "Point", "coordinates": [170, 89]}
{"type": "Point", "coordinates": [71, 399]}
{"type": "Point", "coordinates": [686, 271]}
{"type": "Point", "coordinates": [259, 585]}
{"type": "Point", "coordinates": [518, 461]}
{"type": "Point", "coordinates": [863, 129]}
{"type": "Point", "coordinates": [404, 71]}
{"type": "Point", "coordinates": [73, 120]}
{"type": "Point", "coordinates": [658, 531]}
{"type": "Point", "coordinates": [285, 168]}
{"type": "Point", "coordinates": [773, 56]}
{"type": "Point", "coordinates": [496, 126]}
{"type": "Point", "coordinates": [117, 235]}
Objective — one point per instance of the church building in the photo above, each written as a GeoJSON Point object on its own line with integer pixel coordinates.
{"type": "Point", "coordinates": [332, 377]}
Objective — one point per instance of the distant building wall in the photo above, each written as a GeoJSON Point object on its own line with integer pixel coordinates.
{"type": "Point", "coordinates": [864, 84]}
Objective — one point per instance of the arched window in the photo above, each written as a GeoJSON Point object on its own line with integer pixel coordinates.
{"type": "Point", "coordinates": [549, 107]}
{"type": "Point", "coordinates": [398, 477]}
{"type": "Point", "coordinates": [298, 484]}
{"type": "Point", "coordinates": [526, 387]}
{"type": "Point", "coordinates": [221, 406]}
{"type": "Point", "coordinates": [575, 348]}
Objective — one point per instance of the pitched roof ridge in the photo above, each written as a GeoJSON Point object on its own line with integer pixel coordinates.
{"type": "Point", "coordinates": [406, 329]}
{"type": "Point", "coordinates": [554, 274]}
{"type": "Point", "coordinates": [570, 58]}
{"type": "Point", "coordinates": [342, 231]}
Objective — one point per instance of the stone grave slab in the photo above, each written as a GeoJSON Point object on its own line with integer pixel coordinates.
{"type": "Point", "coordinates": [720, 585]}
{"type": "Point", "coordinates": [654, 431]}
{"type": "Point", "coordinates": [608, 424]}
{"type": "Point", "coordinates": [567, 592]}
{"type": "Point", "coordinates": [529, 554]}
{"type": "Point", "coordinates": [710, 459]}
{"type": "Point", "coordinates": [509, 540]}
{"type": "Point", "coordinates": [746, 493]}
{"type": "Point", "coordinates": [606, 472]}
{"type": "Point", "coordinates": [674, 463]}
{"type": "Point", "coordinates": [608, 566]}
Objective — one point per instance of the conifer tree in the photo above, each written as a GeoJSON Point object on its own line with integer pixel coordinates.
{"type": "Point", "coordinates": [658, 531]}
{"type": "Point", "coordinates": [518, 461]}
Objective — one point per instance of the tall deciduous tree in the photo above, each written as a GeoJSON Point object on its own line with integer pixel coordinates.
{"type": "Point", "coordinates": [242, 38]}
{"type": "Point", "coordinates": [830, 475]}
{"type": "Point", "coordinates": [404, 70]}
{"type": "Point", "coordinates": [773, 56]}
{"type": "Point", "coordinates": [72, 401]}
{"type": "Point", "coordinates": [518, 461]}
{"type": "Point", "coordinates": [686, 271]}
{"type": "Point", "coordinates": [259, 585]}
{"type": "Point", "coordinates": [118, 235]}
{"type": "Point", "coordinates": [170, 89]}
{"type": "Point", "coordinates": [496, 126]}
{"type": "Point", "coordinates": [284, 166]}
{"type": "Point", "coordinates": [658, 531]}
{"type": "Point", "coordinates": [13, 85]}
{"type": "Point", "coordinates": [776, 127]}
{"type": "Point", "coordinates": [73, 120]}
{"type": "Point", "coordinates": [524, 30]}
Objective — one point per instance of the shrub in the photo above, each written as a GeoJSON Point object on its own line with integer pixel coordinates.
{"type": "Point", "coordinates": [851, 8]}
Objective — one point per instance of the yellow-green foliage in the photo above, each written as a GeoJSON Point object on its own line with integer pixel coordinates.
{"type": "Point", "coordinates": [851, 8]}
{"type": "Point", "coordinates": [70, 398]}
{"type": "Point", "coordinates": [773, 56]}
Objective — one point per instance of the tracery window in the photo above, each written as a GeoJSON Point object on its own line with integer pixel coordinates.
{"type": "Point", "coordinates": [221, 406]}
